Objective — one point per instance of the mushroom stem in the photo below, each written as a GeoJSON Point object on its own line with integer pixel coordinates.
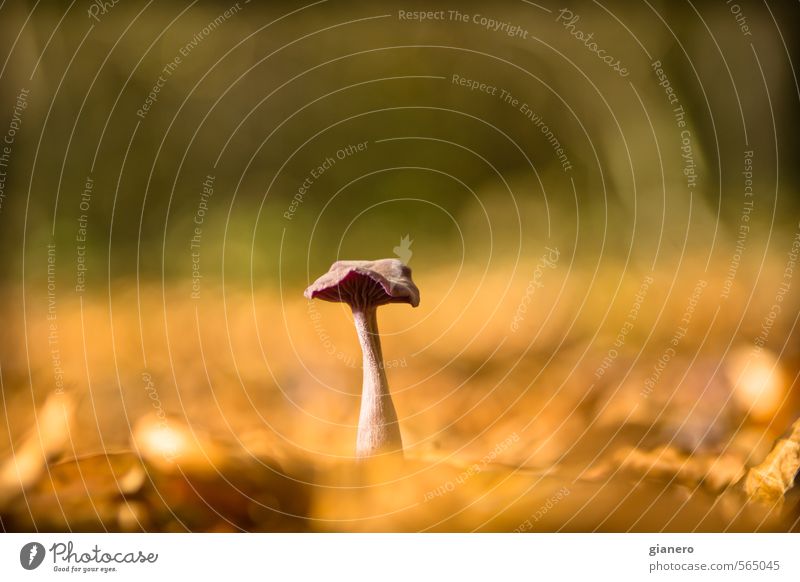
{"type": "Point", "coordinates": [378, 429]}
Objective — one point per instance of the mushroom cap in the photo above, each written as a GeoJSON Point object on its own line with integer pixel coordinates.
{"type": "Point", "coordinates": [366, 283]}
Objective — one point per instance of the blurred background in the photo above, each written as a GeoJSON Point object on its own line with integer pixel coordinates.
{"type": "Point", "coordinates": [606, 253]}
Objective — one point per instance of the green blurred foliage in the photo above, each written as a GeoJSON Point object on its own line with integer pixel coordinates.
{"type": "Point", "coordinates": [269, 94]}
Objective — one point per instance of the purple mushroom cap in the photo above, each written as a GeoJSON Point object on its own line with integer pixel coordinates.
{"type": "Point", "coordinates": [366, 283]}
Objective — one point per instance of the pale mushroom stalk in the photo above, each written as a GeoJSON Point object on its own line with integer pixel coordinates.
{"type": "Point", "coordinates": [364, 286]}
{"type": "Point", "coordinates": [378, 429]}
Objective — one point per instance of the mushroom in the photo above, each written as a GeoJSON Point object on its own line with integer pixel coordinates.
{"type": "Point", "coordinates": [364, 286]}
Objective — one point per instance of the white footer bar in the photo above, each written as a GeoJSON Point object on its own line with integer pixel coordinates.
{"type": "Point", "coordinates": [400, 557]}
